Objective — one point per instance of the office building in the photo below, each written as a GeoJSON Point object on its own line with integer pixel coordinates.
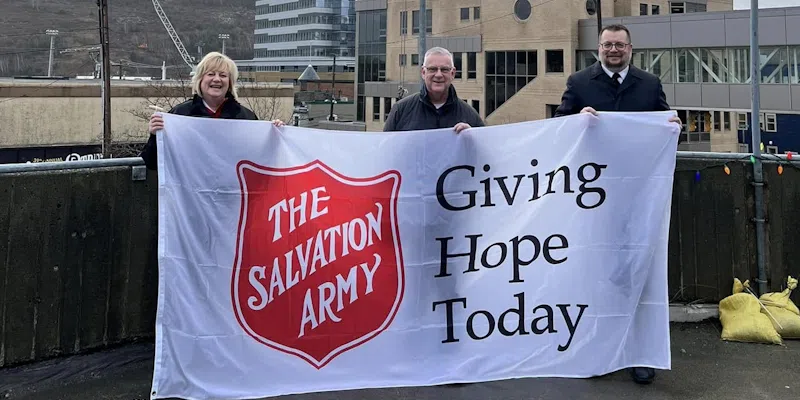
{"type": "Point", "coordinates": [514, 58]}
{"type": "Point", "coordinates": [290, 35]}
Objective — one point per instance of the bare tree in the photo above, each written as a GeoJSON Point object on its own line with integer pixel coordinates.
{"type": "Point", "coordinates": [269, 107]}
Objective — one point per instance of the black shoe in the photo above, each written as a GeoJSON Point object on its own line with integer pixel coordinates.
{"type": "Point", "coordinates": [643, 375]}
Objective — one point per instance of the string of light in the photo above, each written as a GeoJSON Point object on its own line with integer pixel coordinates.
{"type": "Point", "coordinates": [752, 159]}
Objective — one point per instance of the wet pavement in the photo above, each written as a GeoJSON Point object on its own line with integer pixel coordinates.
{"type": "Point", "coordinates": [703, 367]}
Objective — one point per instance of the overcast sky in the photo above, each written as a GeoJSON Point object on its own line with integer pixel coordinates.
{"type": "Point", "coordinates": [745, 4]}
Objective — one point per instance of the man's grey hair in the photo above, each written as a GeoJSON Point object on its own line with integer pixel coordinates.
{"type": "Point", "coordinates": [437, 50]}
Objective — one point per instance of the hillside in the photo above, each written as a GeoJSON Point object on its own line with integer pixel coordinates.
{"type": "Point", "coordinates": [137, 34]}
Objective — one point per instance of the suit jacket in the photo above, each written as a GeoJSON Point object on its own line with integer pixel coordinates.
{"type": "Point", "coordinates": [592, 87]}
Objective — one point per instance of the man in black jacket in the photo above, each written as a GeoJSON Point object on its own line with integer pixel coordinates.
{"type": "Point", "coordinates": [613, 84]}
{"type": "Point", "coordinates": [436, 105]}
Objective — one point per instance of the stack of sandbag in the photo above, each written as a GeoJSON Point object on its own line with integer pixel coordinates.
{"type": "Point", "coordinates": [783, 313]}
{"type": "Point", "coordinates": [742, 319]}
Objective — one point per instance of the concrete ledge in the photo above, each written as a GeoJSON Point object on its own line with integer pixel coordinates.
{"type": "Point", "coordinates": [692, 312]}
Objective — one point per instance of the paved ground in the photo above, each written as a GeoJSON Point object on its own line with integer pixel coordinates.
{"type": "Point", "coordinates": [704, 367]}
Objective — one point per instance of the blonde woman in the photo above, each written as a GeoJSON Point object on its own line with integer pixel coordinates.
{"type": "Point", "coordinates": [214, 96]}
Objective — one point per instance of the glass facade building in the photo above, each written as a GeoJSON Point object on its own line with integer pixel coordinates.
{"type": "Point", "coordinates": [779, 64]}
{"type": "Point", "coordinates": [292, 35]}
{"type": "Point", "coordinates": [371, 54]}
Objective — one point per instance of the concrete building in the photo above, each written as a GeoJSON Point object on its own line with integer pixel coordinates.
{"type": "Point", "coordinates": [46, 120]}
{"type": "Point", "coordinates": [290, 35]}
{"type": "Point", "coordinates": [514, 58]}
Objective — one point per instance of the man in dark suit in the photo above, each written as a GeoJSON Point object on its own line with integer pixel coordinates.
{"type": "Point", "coordinates": [613, 84]}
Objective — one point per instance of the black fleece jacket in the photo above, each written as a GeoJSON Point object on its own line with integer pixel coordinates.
{"type": "Point", "coordinates": [230, 109]}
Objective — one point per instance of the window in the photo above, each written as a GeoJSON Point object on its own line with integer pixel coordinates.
{"type": "Point", "coordinates": [642, 9]}
{"type": "Point", "coordinates": [744, 148]}
{"type": "Point", "coordinates": [402, 60]}
{"type": "Point", "coordinates": [771, 122]}
{"type": "Point", "coordinates": [507, 72]}
{"type": "Point", "coordinates": [415, 59]}
{"type": "Point", "coordinates": [465, 14]}
{"type": "Point", "coordinates": [741, 122]}
{"type": "Point", "coordinates": [772, 149]}
{"type": "Point", "coordinates": [415, 21]}
{"type": "Point", "coordinates": [376, 108]}
{"type": "Point", "coordinates": [656, 10]}
{"type": "Point", "coordinates": [429, 21]}
{"type": "Point", "coordinates": [551, 110]}
{"type": "Point", "coordinates": [727, 118]}
{"type": "Point", "coordinates": [476, 13]}
{"type": "Point", "coordinates": [698, 125]}
{"type": "Point", "coordinates": [403, 22]}
{"type": "Point", "coordinates": [555, 60]}
{"type": "Point", "coordinates": [677, 7]}
{"type": "Point", "coordinates": [476, 104]}
{"type": "Point", "coordinates": [472, 66]}
{"type": "Point", "coordinates": [458, 64]}
{"type": "Point", "coordinates": [591, 7]}
{"type": "Point", "coordinates": [387, 107]}
{"type": "Point", "coordinates": [360, 107]}
{"type": "Point", "coordinates": [522, 9]}
{"type": "Point", "coordinates": [717, 121]}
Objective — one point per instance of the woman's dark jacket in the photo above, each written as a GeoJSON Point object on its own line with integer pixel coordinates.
{"type": "Point", "coordinates": [230, 109]}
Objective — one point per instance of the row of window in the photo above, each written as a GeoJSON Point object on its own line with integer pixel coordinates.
{"type": "Point", "coordinates": [649, 9]}
{"type": "Point", "coordinates": [305, 51]}
{"type": "Point", "coordinates": [298, 5]}
{"type": "Point", "coordinates": [306, 35]}
{"type": "Point", "coordinates": [681, 7]}
{"type": "Point", "coordinates": [302, 20]}
{"type": "Point", "coordinates": [779, 64]}
{"type": "Point", "coordinates": [415, 22]}
{"type": "Point", "coordinates": [698, 125]}
{"type": "Point", "coordinates": [458, 63]}
{"type": "Point", "coordinates": [295, 68]}
{"type": "Point", "coordinates": [476, 13]}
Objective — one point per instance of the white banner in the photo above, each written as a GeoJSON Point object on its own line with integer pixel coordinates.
{"type": "Point", "coordinates": [296, 260]}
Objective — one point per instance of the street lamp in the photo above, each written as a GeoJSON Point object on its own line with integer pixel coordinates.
{"type": "Point", "coordinates": [224, 37]}
{"type": "Point", "coordinates": [52, 33]}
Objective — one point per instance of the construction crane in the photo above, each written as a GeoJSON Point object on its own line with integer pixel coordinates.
{"type": "Point", "coordinates": [189, 60]}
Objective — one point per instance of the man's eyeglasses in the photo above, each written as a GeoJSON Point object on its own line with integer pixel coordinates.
{"type": "Point", "coordinates": [619, 46]}
{"type": "Point", "coordinates": [432, 70]}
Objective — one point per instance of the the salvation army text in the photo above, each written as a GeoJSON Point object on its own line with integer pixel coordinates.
{"type": "Point", "coordinates": [320, 249]}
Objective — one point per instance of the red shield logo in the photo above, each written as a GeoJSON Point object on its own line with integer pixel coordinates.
{"type": "Point", "coordinates": [318, 267]}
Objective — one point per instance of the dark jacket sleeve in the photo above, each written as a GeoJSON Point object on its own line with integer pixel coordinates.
{"type": "Point", "coordinates": [475, 119]}
{"type": "Point", "coordinates": [662, 98]}
{"type": "Point", "coordinates": [569, 101]}
{"type": "Point", "coordinates": [390, 125]}
{"type": "Point", "coordinates": [150, 153]}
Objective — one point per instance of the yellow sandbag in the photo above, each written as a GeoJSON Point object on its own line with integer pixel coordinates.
{"type": "Point", "coordinates": [742, 320]}
{"type": "Point", "coordinates": [782, 312]}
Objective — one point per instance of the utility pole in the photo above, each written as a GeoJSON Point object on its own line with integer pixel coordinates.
{"type": "Point", "coordinates": [599, 18]}
{"type": "Point", "coordinates": [106, 75]}
{"type": "Point", "coordinates": [333, 84]}
{"type": "Point", "coordinates": [755, 131]}
{"type": "Point", "coordinates": [52, 33]}
{"type": "Point", "coordinates": [224, 37]}
{"type": "Point", "coordinates": [423, 30]}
